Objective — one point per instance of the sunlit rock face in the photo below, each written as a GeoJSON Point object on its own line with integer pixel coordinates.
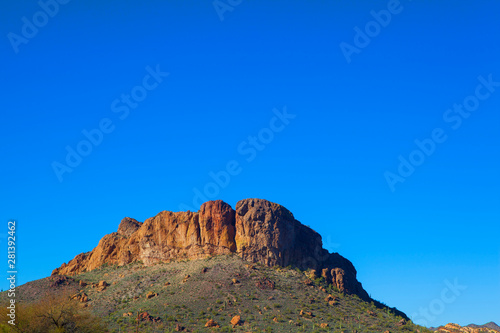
{"type": "Point", "coordinates": [258, 231]}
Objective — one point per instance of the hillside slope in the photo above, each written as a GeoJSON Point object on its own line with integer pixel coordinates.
{"type": "Point", "coordinates": [185, 295]}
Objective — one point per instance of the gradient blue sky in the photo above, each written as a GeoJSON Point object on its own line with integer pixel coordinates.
{"type": "Point", "coordinates": [352, 122]}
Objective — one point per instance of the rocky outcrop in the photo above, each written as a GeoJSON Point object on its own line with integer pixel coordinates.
{"type": "Point", "coordinates": [490, 325]}
{"type": "Point", "coordinates": [258, 231]}
{"type": "Point", "coordinates": [455, 328]}
{"type": "Point", "coordinates": [128, 226]}
{"type": "Point", "coordinates": [269, 234]}
{"type": "Point", "coordinates": [217, 225]}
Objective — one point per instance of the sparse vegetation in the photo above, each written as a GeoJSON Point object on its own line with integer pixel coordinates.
{"type": "Point", "coordinates": [209, 293]}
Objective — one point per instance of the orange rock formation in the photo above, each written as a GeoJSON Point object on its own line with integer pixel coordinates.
{"type": "Point", "coordinates": [258, 231]}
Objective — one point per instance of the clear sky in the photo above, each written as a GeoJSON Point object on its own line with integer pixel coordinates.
{"type": "Point", "coordinates": [375, 122]}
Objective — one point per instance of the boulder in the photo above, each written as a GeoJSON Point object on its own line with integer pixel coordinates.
{"type": "Point", "coordinates": [236, 321]}
{"type": "Point", "coordinates": [211, 323]}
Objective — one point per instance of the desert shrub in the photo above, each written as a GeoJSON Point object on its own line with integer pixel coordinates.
{"type": "Point", "coordinates": [51, 314]}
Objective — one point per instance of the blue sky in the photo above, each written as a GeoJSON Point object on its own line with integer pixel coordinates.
{"type": "Point", "coordinates": [314, 105]}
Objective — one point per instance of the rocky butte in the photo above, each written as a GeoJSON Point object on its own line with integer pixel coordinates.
{"type": "Point", "coordinates": [258, 231]}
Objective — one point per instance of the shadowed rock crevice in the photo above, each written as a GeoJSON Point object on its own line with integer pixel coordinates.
{"type": "Point", "coordinates": [258, 230]}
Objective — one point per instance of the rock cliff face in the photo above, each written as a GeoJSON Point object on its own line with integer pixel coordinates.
{"type": "Point", "coordinates": [258, 231]}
